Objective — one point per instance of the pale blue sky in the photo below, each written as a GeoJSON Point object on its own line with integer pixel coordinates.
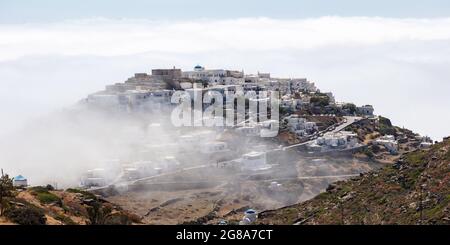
{"type": "Point", "coordinates": [22, 11]}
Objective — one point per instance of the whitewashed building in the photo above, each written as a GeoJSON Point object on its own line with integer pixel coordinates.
{"type": "Point", "coordinates": [300, 125]}
{"type": "Point", "coordinates": [389, 142]}
{"type": "Point", "coordinates": [254, 161]}
{"type": "Point", "coordinates": [335, 141]}
{"type": "Point", "coordinates": [20, 181]}
{"type": "Point", "coordinates": [215, 76]}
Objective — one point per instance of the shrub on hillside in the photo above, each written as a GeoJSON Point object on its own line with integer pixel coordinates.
{"type": "Point", "coordinates": [351, 108]}
{"type": "Point", "coordinates": [368, 152]}
{"type": "Point", "coordinates": [28, 215]}
{"type": "Point", "coordinates": [375, 149]}
{"type": "Point", "coordinates": [118, 219]}
{"type": "Point", "coordinates": [385, 121]}
{"type": "Point", "coordinates": [98, 214]}
{"type": "Point", "coordinates": [6, 192]}
{"type": "Point", "coordinates": [50, 187]}
{"type": "Point", "coordinates": [44, 196]}
{"type": "Point", "coordinates": [65, 219]}
{"type": "Point", "coordinates": [48, 198]}
{"type": "Point", "coordinates": [320, 100]}
{"type": "Point", "coordinates": [85, 194]}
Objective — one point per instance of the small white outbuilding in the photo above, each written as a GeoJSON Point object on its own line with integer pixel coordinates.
{"type": "Point", "coordinates": [20, 181]}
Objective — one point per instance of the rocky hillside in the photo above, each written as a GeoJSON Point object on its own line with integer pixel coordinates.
{"type": "Point", "coordinates": [46, 206]}
{"type": "Point", "coordinates": [369, 130]}
{"type": "Point", "coordinates": [414, 190]}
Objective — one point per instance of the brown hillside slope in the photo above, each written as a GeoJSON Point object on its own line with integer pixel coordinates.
{"type": "Point", "coordinates": [39, 205]}
{"type": "Point", "coordinates": [414, 190]}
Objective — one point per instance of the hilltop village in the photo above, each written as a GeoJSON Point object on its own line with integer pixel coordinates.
{"type": "Point", "coordinates": [308, 117]}
{"type": "Point", "coordinates": [242, 167]}
{"type": "Point", "coordinates": [226, 174]}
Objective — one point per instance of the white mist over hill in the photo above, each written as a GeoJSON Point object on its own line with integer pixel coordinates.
{"type": "Point", "coordinates": [398, 65]}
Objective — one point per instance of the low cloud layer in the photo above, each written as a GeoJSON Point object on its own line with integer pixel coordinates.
{"type": "Point", "coordinates": [398, 65]}
{"type": "Point", "coordinates": [125, 37]}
